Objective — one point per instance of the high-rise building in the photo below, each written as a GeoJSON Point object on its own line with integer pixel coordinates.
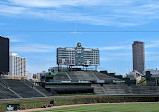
{"type": "Point", "coordinates": [138, 49]}
{"type": "Point", "coordinates": [77, 56]}
{"type": "Point", "coordinates": [4, 55]}
{"type": "Point", "coordinates": [17, 65]}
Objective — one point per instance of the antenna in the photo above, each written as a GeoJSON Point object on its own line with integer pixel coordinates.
{"type": "Point", "coordinates": [76, 33]}
{"type": "Point", "coordinates": [128, 67]}
{"type": "Point", "coordinates": [50, 61]}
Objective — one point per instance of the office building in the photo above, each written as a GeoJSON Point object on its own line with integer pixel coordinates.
{"type": "Point", "coordinates": [138, 50]}
{"type": "Point", "coordinates": [4, 55]}
{"type": "Point", "coordinates": [77, 56]}
{"type": "Point", "coordinates": [17, 65]}
{"type": "Point", "coordinates": [29, 75]}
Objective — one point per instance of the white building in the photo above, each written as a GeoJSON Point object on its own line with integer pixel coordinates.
{"type": "Point", "coordinates": [17, 65]}
{"type": "Point", "coordinates": [29, 75]}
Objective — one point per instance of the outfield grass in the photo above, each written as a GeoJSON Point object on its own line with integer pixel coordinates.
{"type": "Point", "coordinates": [142, 107]}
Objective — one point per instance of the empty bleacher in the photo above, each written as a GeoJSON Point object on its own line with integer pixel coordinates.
{"type": "Point", "coordinates": [38, 87]}
{"type": "Point", "coordinates": [151, 90]}
{"type": "Point", "coordinates": [117, 89]}
{"type": "Point", "coordinates": [102, 76]}
{"type": "Point", "coordinates": [5, 93]}
{"type": "Point", "coordinates": [82, 75]}
{"type": "Point", "coordinates": [72, 75]}
{"type": "Point", "coordinates": [110, 89]}
{"type": "Point", "coordinates": [22, 89]}
{"type": "Point", "coordinates": [15, 88]}
{"type": "Point", "coordinates": [43, 90]}
{"type": "Point", "coordinates": [61, 76]}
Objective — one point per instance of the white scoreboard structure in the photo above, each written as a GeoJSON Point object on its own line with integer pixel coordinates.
{"type": "Point", "coordinates": [78, 56]}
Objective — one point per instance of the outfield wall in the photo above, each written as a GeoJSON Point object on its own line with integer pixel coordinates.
{"type": "Point", "coordinates": [58, 101]}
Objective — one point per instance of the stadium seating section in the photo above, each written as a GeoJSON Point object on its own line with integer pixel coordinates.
{"type": "Point", "coordinates": [15, 88]}
{"type": "Point", "coordinates": [82, 75]}
{"type": "Point", "coordinates": [111, 89]}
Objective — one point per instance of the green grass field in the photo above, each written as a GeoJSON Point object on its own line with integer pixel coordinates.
{"type": "Point", "coordinates": [142, 107]}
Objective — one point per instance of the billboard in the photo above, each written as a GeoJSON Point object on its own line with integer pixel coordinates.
{"type": "Point", "coordinates": [4, 55]}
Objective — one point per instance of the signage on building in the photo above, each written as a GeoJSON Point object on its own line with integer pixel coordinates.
{"type": "Point", "coordinates": [13, 107]}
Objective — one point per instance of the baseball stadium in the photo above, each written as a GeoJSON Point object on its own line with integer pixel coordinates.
{"type": "Point", "coordinates": [73, 87]}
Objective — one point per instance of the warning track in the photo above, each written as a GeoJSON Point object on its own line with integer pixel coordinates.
{"type": "Point", "coordinates": [37, 109]}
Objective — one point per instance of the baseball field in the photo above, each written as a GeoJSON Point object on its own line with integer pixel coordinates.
{"type": "Point", "coordinates": [127, 107]}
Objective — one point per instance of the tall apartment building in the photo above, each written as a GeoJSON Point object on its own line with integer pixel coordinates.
{"type": "Point", "coordinates": [17, 65]}
{"type": "Point", "coordinates": [138, 49]}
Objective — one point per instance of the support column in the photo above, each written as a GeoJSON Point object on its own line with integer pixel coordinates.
{"type": "Point", "coordinates": [96, 68]}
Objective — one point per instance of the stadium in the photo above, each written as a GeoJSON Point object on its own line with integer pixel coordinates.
{"type": "Point", "coordinates": [72, 82]}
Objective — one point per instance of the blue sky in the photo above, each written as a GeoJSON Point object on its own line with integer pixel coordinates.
{"type": "Point", "coordinates": [19, 17]}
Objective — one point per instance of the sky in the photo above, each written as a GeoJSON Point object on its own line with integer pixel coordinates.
{"type": "Point", "coordinates": [30, 25]}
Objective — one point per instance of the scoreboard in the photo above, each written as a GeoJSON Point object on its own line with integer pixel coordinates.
{"type": "Point", "coordinates": [77, 56]}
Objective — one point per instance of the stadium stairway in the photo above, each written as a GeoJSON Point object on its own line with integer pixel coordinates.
{"type": "Point", "coordinates": [82, 75]}
{"type": "Point", "coordinates": [44, 91]}
{"type": "Point", "coordinates": [92, 73]}
{"type": "Point", "coordinates": [102, 76]}
{"type": "Point", "coordinates": [6, 92]}
{"type": "Point", "coordinates": [117, 89]}
{"type": "Point", "coordinates": [72, 75]}
{"type": "Point", "coordinates": [68, 76]}
{"type": "Point", "coordinates": [98, 89]}
{"type": "Point", "coordinates": [39, 89]}
{"type": "Point", "coordinates": [61, 76]}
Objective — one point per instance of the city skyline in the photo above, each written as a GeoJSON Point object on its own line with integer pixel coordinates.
{"type": "Point", "coordinates": [19, 19]}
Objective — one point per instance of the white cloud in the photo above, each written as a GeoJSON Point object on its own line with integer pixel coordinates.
{"type": "Point", "coordinates": [152, 53]}
{"type": "Point", "coordinates": [54, 3]}
{"type": "Point", "coordinates": [14, 40]}
{"type": "Point", "coordinates": [5, 9]}
{"type": "Point", "coordinates": [152, 58]}
{"type": "Point", "coordinates": [114, 58]}
{"type": "Point", "coordinates": [152, 44]}
{"type": "Point", "coordinates": [155, 41]}
{"type": "Point", "coordinates": [115, 48]}
{"type": "Point", "coordinates": [96, 12]}
{"type": "Point", "coordinates": [32, 48]}
{"type": "Point", "coordinates": [62, 3]}
{"type": "Point", "coordinates": [119, 54]}
{"type": "Point", "coordinates": [57, 15]}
